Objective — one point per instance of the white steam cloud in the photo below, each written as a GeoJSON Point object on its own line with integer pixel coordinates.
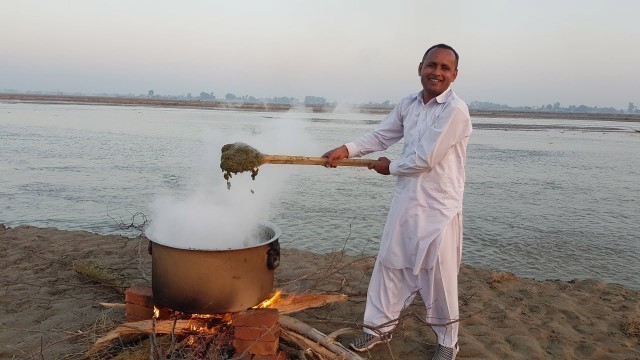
{"type": "Point", "coordinates": [210, 217]}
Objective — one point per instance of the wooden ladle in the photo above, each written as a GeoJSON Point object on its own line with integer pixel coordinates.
{"type": "Point", "coordinates": [240, 157]}
{"type": "Point", "coordinates": [305, 160]}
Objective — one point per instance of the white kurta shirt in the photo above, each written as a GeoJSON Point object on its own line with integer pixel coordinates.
{"type": "Point", "coordinates": [430, 174]}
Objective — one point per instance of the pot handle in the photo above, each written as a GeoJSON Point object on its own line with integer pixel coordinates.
{"type": "Point", "coordinates": [273, 255]}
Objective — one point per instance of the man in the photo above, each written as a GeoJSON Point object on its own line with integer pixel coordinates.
{"type": "Point", "coordinates": [421, 245]}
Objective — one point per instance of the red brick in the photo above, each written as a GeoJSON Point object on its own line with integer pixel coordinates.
{"type": "Point", "coordinates": [144, 313]}
{"type": "Point", "coordinates": [138, 312]}
{"type": "Point", "coordinates": [261, 318]}
{"type": "Point", "coordinates": [130, 318]}
{"type": "Point", "coordinates": [256, 347]}
{"type": "Point", "coordinates": [139, 295]}
{"type": "Point", "coordinates": [255, 333]}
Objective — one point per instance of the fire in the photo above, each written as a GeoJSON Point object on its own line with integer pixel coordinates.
{"type": "Point", "coordinates": [156, 312]}
{"type": "Point", "coordinates": [198, 328]}
{"type": "Point", "coordinates": [191, 340]}
{"type": "Point", "coordinates": [269, 302]}
{"type": "Point", "coordinates": [207, 323]}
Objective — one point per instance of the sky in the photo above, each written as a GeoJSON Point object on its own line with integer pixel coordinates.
{"type": "Point", "coordinates": [518, 53]}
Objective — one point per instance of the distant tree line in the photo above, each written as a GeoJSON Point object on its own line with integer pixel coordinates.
{"type": "Point", "coordinates": [229, 97]}
{"type": "Point", "coordinates": [383, 105]}
{"type": "Point", "coordinates": [555, 107]}
{"type": "Point", "coordinates": [321, 101]}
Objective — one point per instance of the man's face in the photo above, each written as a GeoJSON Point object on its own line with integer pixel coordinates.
{"type": "Point", "coordinates": [437, 71]}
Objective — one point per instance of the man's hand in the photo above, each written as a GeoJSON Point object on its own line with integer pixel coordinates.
{"type": "Point", "coordinates": [381, 166]}
{"type": "Point", "coordinates": [338, 153]}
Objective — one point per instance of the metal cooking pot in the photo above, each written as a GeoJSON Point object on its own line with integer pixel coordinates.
{"type": "Point", "coordinates": [216, 281]}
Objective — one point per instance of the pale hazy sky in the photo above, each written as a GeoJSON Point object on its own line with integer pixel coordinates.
{"type": "Point", "coordinates": [514, 52]}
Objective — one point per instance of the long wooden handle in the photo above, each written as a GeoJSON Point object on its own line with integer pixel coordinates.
{"type": "Point", "coordinates": [305, 160]}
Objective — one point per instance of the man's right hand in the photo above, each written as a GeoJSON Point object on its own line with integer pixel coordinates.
{"type": "Point", "coordinates": [338, 153]}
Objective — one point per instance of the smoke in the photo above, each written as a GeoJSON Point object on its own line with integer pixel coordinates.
{"type": "Point", "coordinates": [211, 217]}
{"type": "Point", "coordinates": [344, 108]}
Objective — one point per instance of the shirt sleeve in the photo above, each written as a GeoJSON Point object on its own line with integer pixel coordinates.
{"type": "Point", "coordinates": [450, 128]}
{"type": "Point", "coordinates": [387, 133]}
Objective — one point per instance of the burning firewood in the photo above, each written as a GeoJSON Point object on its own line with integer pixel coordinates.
{"type": "Point", "coordinates": [132, 330]}
{"type": "Point", "coordinates": [290, 303]}
{"type": "Point", "coordinates": [285, 303]}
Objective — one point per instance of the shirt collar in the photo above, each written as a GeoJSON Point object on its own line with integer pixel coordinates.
{"type": "Point", "coordinates": [442, 98]}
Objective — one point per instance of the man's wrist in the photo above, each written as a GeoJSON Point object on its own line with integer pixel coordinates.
{"type": "Point", "coordinates": [352, 149]}
{"type": "Point", "coordinates": [393, 167]}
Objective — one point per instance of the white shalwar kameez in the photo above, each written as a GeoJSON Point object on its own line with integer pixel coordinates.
{"type": "Point", "coordinates": [421, 245]}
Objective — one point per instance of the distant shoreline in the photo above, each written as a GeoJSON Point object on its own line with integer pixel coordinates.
{"type": "Point", "coordinates": [220, 105]}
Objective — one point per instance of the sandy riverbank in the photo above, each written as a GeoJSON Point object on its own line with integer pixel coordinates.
{"type": "Point", "coordinates": [48, 310]}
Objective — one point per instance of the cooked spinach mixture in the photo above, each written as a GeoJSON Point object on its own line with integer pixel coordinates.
{"type": "Point", "coordinates": [239, 157]}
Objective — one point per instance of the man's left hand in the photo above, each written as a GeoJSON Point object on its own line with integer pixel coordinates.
{"type": "Point", "coordinates": [381, 166]}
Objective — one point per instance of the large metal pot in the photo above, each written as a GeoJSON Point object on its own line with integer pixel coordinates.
{"type": "Point", "coordinates": [216, 281]}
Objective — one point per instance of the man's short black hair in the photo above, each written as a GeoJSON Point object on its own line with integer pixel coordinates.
{"type": "Point", "coordinates": [442, 46]}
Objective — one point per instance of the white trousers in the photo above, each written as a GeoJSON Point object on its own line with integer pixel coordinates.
{"type": "Point", "coordinates": [391, 290]}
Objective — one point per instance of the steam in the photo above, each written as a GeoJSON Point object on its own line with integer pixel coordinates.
{"type": "Point", "coordinates": [344, 108]}
{"type": "Point", "coordinates": [211, 217]}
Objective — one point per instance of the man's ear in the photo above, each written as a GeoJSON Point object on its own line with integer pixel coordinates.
{"type": "Point", "coordinates": [420, 69]}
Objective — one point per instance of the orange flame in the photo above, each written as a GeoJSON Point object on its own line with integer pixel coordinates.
{"type": "Point", "coordinates": [156, 312]}
{"type": "Point", "coordinates": [269, 302]}
{"type": "Point", "coordinates": [198, 328]}
{"type": "Point", "coordinates": [191, 339]}
{"type": "Point", "coordinates": [202, 322]}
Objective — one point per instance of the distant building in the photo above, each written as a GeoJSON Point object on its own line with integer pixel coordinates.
{"type": "Point", "coordinates": [315, 100]}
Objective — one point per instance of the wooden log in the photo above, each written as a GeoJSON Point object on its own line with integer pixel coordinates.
{"type": "Point", "coordinates": [306, 345]}
{"type": "Point", "coordinates": [335, 347]}
{"type": "Point", "coordinates": [132, 329]}
{"type": "Point", "coordinates": [112, 305]}
{"type": "Point", "coordinates": [290, 303]}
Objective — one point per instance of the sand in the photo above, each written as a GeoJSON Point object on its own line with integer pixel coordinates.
{"type": "Point", "coordinates": [50, 311]}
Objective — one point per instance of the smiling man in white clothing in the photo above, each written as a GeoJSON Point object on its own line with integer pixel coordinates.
{"type": "Point", "coordinates": [421, 245]}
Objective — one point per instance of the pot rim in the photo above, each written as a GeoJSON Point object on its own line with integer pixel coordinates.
{"type": "Point", "coordinates": [276, 234]}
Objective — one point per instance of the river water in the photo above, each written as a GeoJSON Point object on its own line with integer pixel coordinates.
{"type": "Point", "coordinates": [547, 199]}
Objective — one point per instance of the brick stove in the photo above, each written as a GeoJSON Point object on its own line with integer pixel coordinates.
{"type": "Point", "coordinates": [256, 332]}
